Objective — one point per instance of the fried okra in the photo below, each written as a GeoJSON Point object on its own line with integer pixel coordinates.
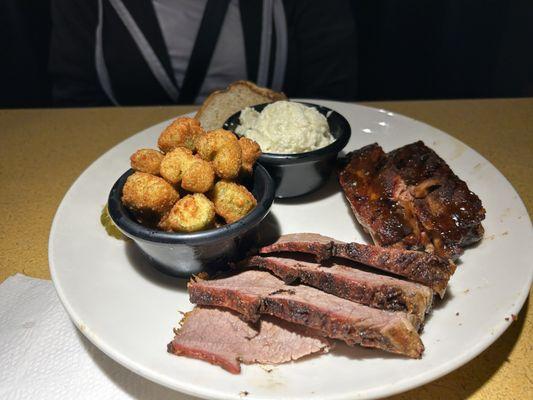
{"type": "Point", "coordinates": [148, 196]}
{"type": "Point", "coordinates": [146, 160]}
{"type": "Point", "coordinates": [192, 213]}
{"type": "Point", "coordinates": [181, 167]}
{"type": "Point", "coordinates": [250, 153]}
{"type": "Point", "coordinates": [190, 161]}
{"type": "Point", "coordinates": [232, 201]}
{"type": "Point", "coordinates": [182, 132]}
{"type": "Point", "coordinates": [175, 163]}
{"type": "Point", "coordinates": [199, 177]}
{"type": "Point", "coordinates": [222, 148]}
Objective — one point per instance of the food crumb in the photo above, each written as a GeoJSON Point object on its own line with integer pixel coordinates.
{"type": "Point", "coordinates": [507, 318]}
{"type": "Point", "coordinates": [456, 313]}
{"type": "Point", "coordinates": [466, 291]}
{"type": "Point", "coordinates": [201, 276]}
{"type": "Point", "coordinates": [505, 233]}
{"type": "Point", "coordinates": [244, 393]}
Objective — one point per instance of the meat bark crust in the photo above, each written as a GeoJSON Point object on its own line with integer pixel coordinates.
{"type": "Point", "coordinates": [310, 243]}
{"type": "Point", "coordinates": [350, 283]}
{"type": "Point", "coordinates": [421, 267]}
{"type": "Point", "coordinates": [220, 337]}
{"type": "Point", "coordinates": [333, 316]}
{"type": "Point", "coordinates": [410, 198]}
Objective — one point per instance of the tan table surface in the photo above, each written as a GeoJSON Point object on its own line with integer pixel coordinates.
{"type": "Point", "coordinates": [43, 151]}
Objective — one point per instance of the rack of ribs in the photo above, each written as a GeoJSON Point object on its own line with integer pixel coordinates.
{"type": "Point", "coordinates": [410, 198]}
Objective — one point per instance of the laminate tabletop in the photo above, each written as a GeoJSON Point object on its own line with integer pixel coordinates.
{"type": "Point", "coordinates": [42, 152]}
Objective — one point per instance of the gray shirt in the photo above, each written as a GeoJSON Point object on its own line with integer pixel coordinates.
{"type": "Point", "coordinates": [180, 22]}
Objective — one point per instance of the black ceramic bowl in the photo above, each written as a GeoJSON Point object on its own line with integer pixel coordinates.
{"type": "Point", "coordinates": [184, 254]}
{"type": "Point", "coordinates": [301, 173]}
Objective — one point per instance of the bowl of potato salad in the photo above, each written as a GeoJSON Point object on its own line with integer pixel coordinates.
{"type": "Point", "coordinates": [299, 142]}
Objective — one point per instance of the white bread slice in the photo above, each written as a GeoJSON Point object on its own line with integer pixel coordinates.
{"type": "Point", "coordinates": [222, 104]}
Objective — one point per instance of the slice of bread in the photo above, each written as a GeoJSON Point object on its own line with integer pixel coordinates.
{"type": "Point", "coordinates": [222, 104]}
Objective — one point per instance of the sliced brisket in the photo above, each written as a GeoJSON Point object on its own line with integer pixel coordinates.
{"type": "Point", "coordinates": [350, 283]}
{"type": "Point", "coordinates": [220, 337]}
{"type": "Point", "coordinates": [310, 243]}
{"type": "Point", "coordinates": [331, 315]}
{"type": "Point", "coordinates": [421, 267]}
{"type": "Point", "coordinates": [410, 198]}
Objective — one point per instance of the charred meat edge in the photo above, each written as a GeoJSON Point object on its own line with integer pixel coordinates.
{"type": "Point", "coordinates": [373, 290]}
{"type": "Point", "coordinates": [421, 267]}
{"type": "Point", "coordinates": [285, 302]}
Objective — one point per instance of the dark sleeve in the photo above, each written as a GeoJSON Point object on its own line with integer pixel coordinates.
{"type": "Point", "coordinates": [72, 54]}
{"type": "Point", "coordinates": [322, 49]}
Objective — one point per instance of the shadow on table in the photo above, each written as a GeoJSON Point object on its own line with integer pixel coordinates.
{"type": "Point", "coordinates": [130, 383]}
{"type": "Point", "coordinates": [465, 381]}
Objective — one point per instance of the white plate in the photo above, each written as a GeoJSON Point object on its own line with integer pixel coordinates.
{"type": "Point", "coordinates": [128, 310]}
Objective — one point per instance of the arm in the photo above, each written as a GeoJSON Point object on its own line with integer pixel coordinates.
{"type": "Point", "coordinates": [323, 47]}
{"type": "Point", "coordinates": [72, 48]}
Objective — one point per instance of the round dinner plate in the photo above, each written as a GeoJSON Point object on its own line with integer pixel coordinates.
{"type": "Point", "coordinates": [128, 309]}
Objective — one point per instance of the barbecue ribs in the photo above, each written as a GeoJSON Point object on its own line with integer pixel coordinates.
{"type": "Point", "coordinates": [410, 198]}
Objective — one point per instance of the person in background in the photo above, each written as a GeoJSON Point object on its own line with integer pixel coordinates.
{"type": "Point", "coordinates": [134, 52]}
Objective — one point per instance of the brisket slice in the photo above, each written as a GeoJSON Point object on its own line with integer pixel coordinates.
{"type": "Point", "coordinates": [410, 198]}
{"type": "Point", "coordinates": [333, 316]}
{"type": "Point", "coordinates": [220, 337]}
{"type": "Point", "coordinates": [310, 243]}
{"type": "Point", "coordinates": [350, 283]}
{"type": "Point", "coordinates": [418, 266]}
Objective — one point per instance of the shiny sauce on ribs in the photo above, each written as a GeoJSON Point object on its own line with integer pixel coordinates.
{"type": "Point", "coordinates": [410, 198]}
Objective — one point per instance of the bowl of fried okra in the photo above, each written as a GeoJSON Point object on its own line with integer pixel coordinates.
{"type": "Point", "coordinates": [196, 202]}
